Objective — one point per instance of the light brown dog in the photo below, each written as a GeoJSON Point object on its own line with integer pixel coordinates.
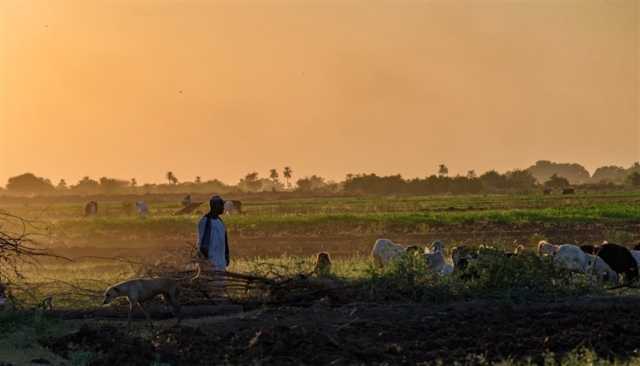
{"type": "Point", "coordinates": [138, 291]}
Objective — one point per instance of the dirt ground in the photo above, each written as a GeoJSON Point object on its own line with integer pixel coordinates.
{"type": "Point", "coordinates": [347, 245]}
{"type": "Point", "coordinates": [369, 334]}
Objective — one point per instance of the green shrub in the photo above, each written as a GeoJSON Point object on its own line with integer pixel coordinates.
{"type": "Point", "coordinates": [492, 275]}
{"type": "Point", "coordinates": [81, 358]}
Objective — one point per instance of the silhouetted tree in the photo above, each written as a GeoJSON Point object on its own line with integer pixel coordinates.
{"type": "Point", "coordinates": [609, 174]}
{"type": "Point", "coordinates": [544, 169]}
{"type": "Point", "coordinates": [557, 182]}
{"type": "Point", "coordinates": [86, 186]}
{"type": "Point", "coordinates": [62, 185]}
{"type": "Point", "coordinates": [634, 179]}
{"type": "Point", "coordinates": [471, 174]}
{"type": "Point", "coordinates": [111, 185]}
{"type": "Point", "coordinates": [133, 183]}
{"type": "Point", "coordinates": [28, 183]}
{"type": "Point", "coordinates": [172, 178]}
{"type": "Point", "coordinates": [493, 181]}
{"type": "Point", "coordinates": [287, 173]}
{"type": "Point", "coordinates": [520, 180]}
{"type": "Point", "coordinates": [443, 171]}
{"type": "Point", "coordinates": [198, 180]}
{"type": "Point", "coordinates": [310, 184]}
{"type": "Point", "coordinates": [251, 182]}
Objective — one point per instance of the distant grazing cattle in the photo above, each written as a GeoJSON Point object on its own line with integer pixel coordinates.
{"type": "Point", "coordinates": [232, 207]}
{"type": "Point", "coordinates": [91, 208]}
{"type": "Point", "coordinates": [143, 208]}
{"type": "Point", "coordinates": [569, 191]}
{"type": "Point", "coordinates": [186, 201]}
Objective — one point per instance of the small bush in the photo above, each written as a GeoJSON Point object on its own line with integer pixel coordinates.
{"type": "Point", "coordinates": [493, 275]}
{"type": "Point", "coordinates": [81, 358]}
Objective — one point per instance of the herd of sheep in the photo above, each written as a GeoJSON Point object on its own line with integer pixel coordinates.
{"type": "Point", "coordinates": [607, 262]}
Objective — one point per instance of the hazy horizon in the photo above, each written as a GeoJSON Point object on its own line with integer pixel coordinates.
{"type": "Point", "coordinates": [219, 89]}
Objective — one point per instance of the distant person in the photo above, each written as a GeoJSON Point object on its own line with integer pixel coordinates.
{"type": "Point", "coordinates": [143, 208]}
{"type": "Point", "coordinates": [213, 242]}
{"type": "Point", "coordinates": [91, 209]}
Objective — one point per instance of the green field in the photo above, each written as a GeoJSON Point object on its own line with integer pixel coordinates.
{"type": "Point", "coordinates": [284, 235]}
{"type": "Point", "coordinates": [335, 217]}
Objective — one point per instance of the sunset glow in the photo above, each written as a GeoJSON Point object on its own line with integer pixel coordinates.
{"type": "Point", "coordinates": [221, 88]}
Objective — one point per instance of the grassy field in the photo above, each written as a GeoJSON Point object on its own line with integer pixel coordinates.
{"type": "Point", "coordinates": [348, 218]}
{"type": "Point", "coordinates": [285, 235]}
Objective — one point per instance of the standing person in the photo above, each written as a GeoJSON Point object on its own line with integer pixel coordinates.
{"type": "Point", "coordinates": [213, 242]}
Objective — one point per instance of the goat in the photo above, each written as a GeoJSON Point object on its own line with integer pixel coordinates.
{"type": "Point", "coordinates": [435, 261]}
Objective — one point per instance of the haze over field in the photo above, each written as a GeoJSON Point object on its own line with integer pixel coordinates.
{"type": "Point", "coordinates": [219, 88]}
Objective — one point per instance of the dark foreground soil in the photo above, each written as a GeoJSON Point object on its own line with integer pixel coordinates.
{"type": "Point", "coordinates": [372, 334]}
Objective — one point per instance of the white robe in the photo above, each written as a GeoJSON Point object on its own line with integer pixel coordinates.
{"type": "Point", "coordinates": [217, 249]}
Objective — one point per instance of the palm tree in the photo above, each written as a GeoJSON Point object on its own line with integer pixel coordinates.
{"type": "Point", "coordinates": [172, 178]}
{"type": "Point", "coordinates": [287, 173]}
{"type": "Point", "coordinates": [443, 171]}
{"type": "Point", "coordinates": [273, 174]}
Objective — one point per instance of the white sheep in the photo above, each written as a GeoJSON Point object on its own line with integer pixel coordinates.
{"type": "Point", "coordinates": [571, 258]}
{"type": "Point", "coordinates": [546, 248]}
{"type": "Point", "coordinates": [601, 270]}
{"type": "Point", "coordinates": [574, 259]}
{"type": "Point", "coordinates": [384, 251]}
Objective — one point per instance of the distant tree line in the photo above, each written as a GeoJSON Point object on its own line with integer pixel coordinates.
{"type": "Point", "coordinates": [543, 174]}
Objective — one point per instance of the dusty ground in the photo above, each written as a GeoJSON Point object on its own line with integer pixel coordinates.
{"type": "Point", "coordinates": [370, 334]}
{"type": "Point", "coordinates": [346, 245]}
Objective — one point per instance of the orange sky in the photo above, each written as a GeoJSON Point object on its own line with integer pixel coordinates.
{"type": "Point", "coordinates": [92, 87]}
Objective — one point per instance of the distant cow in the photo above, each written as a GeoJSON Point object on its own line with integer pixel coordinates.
{"type": "Point", "coordinates": [91, 208]}
{"type": "Point", "coordinates": [143, 208]}
{"type": "Point", "coordinates": [569, 191]}
{"type": "Point", "coordinates": [127, 207]}
{"type": "Point", "coordinates": [186, 201]}
{"type": "Point", "coordinates": [232, 207]}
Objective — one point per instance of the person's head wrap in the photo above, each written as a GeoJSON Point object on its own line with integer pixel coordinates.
{"type": "Point", "coordinates": [217, 206]}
